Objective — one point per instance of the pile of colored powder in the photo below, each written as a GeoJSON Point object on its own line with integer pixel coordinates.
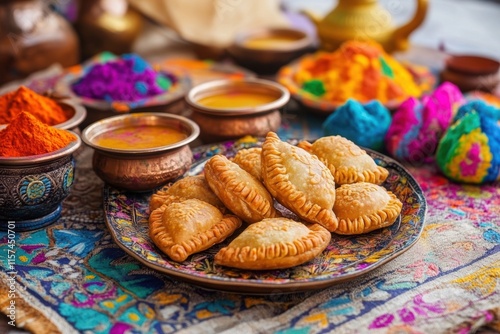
{"type": "Point", "coordinates": [26, 136]}
{"type": "Point", "coordinates": [469, 151]}
{"type": "Point", "coordinates": [43, 108]}
{"type": "Point", "coordinates": [418, 125]}
{"type": "Point", "coordinates": [127, 78]}
{"type": "Point", "coordinates": [364, 124]}
{"type": "Point", "coordinates": [357, 70]}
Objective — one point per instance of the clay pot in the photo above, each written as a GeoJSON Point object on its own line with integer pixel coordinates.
{"type": "Point", "coordinates": [470, 72]}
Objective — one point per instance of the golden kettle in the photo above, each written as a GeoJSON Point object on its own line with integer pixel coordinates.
{"type": "Point", "coordinates": [365, 19]}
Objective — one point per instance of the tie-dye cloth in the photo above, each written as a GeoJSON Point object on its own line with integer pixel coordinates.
{"type": "Point", "coordinates": [72, 277]}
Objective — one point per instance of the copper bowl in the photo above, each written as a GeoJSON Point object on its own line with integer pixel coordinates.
{"type": "Point", "coordinates": [250, 51]}
{"type": "Point", "coordinates": [218, 124]}
{"type": "Point", "coordinates": [470, 72]}
{"type": "Point", "coordinates": [146, 168]}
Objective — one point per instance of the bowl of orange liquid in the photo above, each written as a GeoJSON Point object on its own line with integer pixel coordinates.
{"type": "Point", "coordinates": [141, 151]}
{"type": "Point", "coordinates": [266, 50]}
{"type": "Point", "coordinates": [230, 109]}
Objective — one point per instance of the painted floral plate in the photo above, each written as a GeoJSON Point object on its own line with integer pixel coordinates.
{"type": "Point", "coordinates": [346, 257]}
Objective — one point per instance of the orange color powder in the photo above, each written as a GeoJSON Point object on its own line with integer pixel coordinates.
{"type": "Point", "coordinates": [43, 108]}
{"type": "Point", "coordinates": [26, 136]}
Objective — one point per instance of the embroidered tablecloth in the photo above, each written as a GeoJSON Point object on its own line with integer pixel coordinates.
{"type": "Point", "coordinates": [72, 277]}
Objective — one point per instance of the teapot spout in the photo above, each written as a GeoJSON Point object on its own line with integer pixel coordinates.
{"type": "Point", "coordinates": [311, 16]}
{"type": "Point", "coordinates": [402, 33]}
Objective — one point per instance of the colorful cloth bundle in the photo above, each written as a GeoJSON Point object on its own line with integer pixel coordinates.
{"type": "Point", "coordinates": [418, 125]}
{"type": "Point", "coordinates": [469, 151]}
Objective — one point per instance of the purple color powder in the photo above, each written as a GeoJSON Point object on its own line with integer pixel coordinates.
{"type": "Point", "coordinates": [116, 80]}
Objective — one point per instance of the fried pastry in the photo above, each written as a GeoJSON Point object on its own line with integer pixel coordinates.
{"type": "Point", "coordinates": [240, 192]}
{"type": "Point", "coordinates": [363, 207]}
{"type": "Point", "coordinates": [249, 159]}
{"type": "Point", "coordinates": [299, 181]}
{"type": "Point", "coordinates": [274, 243]}
{"type": "Point", "coordinates": [347, 162]}
{"type": "Point", "coordinates": [187, 187]}
{"type": "Point", "coordinates": [189, 226]}
{"type": "Point", "coordinates": [160, 198]}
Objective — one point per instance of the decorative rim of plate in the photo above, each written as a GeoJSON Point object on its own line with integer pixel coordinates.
{"type": "Point", "coordinates": [285, 77]}
{"type": "Point", "coordinates": [413, 223]}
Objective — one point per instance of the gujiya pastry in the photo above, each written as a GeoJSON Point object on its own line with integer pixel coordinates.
{"type": "Point", "coordinates": [197, 212]}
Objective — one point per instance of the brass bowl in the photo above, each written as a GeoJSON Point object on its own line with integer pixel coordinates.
{"type": "Point", "coordinates": [34, 187]}
{"type": "Point", "coordinates": [141, 169]}
{"type": "Point", "coordinates": [267, 57]}
{"type": "Point", "coordinates": [231, 123]}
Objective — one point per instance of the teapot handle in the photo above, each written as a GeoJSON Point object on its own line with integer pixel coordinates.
{"type": "Point", "coordinates": [402, 33]}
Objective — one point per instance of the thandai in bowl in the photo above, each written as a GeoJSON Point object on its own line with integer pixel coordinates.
{"type": "Point", "coordinates": [37, 172]}
{"type": "Point", "coordinates": [141, 151]}
{"type": "Point", "coordinates": [229, 109]}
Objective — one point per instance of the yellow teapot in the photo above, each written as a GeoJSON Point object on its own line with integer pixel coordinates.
{"type": "Point", "coordinates": [365, 19]}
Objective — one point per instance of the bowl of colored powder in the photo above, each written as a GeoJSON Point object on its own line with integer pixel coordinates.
{"type": "Point", "coordinates": [108, 84]}
{"type": "Point", "coordinates": [60, 113]}
{"type": "Point", "coordinates": [141, 151]}
{"type": "Point", "coordinates": [37, 171]}
{"type": "Point", "coordinates": [358, 70]}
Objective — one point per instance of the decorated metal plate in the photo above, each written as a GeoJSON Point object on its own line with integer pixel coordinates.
{"type": "Point", "coordinates": [346, 257]}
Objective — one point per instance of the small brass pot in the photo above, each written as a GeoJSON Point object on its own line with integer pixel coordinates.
{"type": "Point", "coordinates": [146, 168]}
{"type": "Point", "coordinates": [218, 124]}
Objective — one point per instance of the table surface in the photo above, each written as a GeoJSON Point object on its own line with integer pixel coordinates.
{"type": "Point", "coordinates": [72, 277]}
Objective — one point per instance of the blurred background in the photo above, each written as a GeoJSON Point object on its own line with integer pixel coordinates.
{"type": "Point", "coordinates": [157, 29]}
{"type": "Point", "coordinates": [460, 26]}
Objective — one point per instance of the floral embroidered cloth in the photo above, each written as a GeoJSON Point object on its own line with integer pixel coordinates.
{"type": "Point", "coordinates": [72, 277]}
